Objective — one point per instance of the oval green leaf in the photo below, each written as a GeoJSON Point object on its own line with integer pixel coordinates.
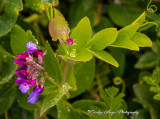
{"type": "Point", "coordinates": [103, 38]}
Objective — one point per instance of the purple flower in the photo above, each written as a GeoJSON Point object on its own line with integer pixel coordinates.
{"type": "Point", "coordinates": [24, 87]}
{"type": "Point", "coordinates": [33, 98]}
{"type": "Point", "coordinates": [70, 41]}
{"type": "Point", "coordinates": [31, 46]}
{"type": "Point", "coordinates": [32, 64]}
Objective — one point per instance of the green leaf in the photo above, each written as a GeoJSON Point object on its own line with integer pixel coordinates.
{"type": "Point", "coordinates": [83, 109]}
{"type": "Point", "coordinates": [18, 113]}
{"type": "Point", "coordinates": [82, 33]}
{"type": "Point", "coordinates": [5, 43]}
{"type": "Point", "coordinates": [114, 101]}
{"type": "Point", "coordinates": [91, 106]}
{"type": "Point", "coordinates": [157, 97]}
{"type": "Point", "coordinates": [7, 66]}
{"type": "Point", "coordinates": [155, 89]}
{"type": "Point", "coordinates": [142, 93]}
{"type": "Point", "coordinates": [128, 31]}
{"type": "Point", "coordinates": [22, 101]}
{"type": "Point", "coordinates": [8, 19]}
{"type": "Point", "coordinates": [19, 39]}
{"type": "Point", "coordinates": [64, 111]}
{"type": "Point", "coordinates": [123, 15]}
{"type": "Point", "coordinates": [156, 75]}
{"type": "Point", "coordinates": [38, 5]}
{"type": "Point", "coordinates": [105, 57]}
{"type": "Point", "coordinates": [149, 80]}
{"type": "Point", "coordinates": [48, 87]}
{"type": "Point", "coordinates": [51, 64]}
{"type": "Point", "coordinates": [80, 55]}
{"type": "Point", "coordinates": [84, 73]}
{"type": "Point", "coordinates": [141, 40]}
{"type": "Point", "coordinates": [120, 56]}
{"type": "Point", "coordinates": [145, 97]}
{"type": "Point", "coordinates": [8, 70]}
{"type": "Point", "coordinates": [140, 19]}
{"type": "Point", "coordinates": [103, 38]}
{"type": "Point", "coordinates": [7, 94]}
{"type": "Point", "coordinates": [124, 36]}
{"type": "Point", "coordinates": [52, 99]}
{"type": "Point", "coordinates": [70, 78]}
{"type": "Point", "coordinates": [147, 60]}
{"type": "Point", "coordinates": [156, 47]}
{"type": "Point", "coordinates": [4, 55]}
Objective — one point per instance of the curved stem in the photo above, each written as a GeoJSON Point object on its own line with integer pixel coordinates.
{"type": "Point", "coordinates": [51, 79]}
{"type": "Point", "coordinates": [76, 109]}
{"type": "Point", "coordinates": [150, 7]}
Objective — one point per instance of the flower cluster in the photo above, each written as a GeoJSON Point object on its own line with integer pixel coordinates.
{"type": "Point", "coordinates": [31, 62]}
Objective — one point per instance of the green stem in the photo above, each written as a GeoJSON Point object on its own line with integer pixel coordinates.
{"type": "Point", "coordinates": [99, 83]}
{"type": "Point", "coordinates": [46, 9]}
{"type": "Point", "coordinates": [32, 18]}
{"type": "Point", "coordinates": [51, 12]}
{"type": "Point", "coordinates": [123, 86]}
{"type": "Point", "coordinates": [6, 115]}
{"type": "Point", "coordinates": [65, 73]}
{"type": "Point", "coordinates": [76, 110]}
{"type": "Point", "coordinates": [51, 79]}
{"type": "Point", "coordinates": [150, 7]}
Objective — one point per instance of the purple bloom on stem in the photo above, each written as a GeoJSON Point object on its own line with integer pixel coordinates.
{"type": "Point", "coordinates": [70, 41]}
{"type": "Point", "coordinates": [30, 69]}
{"type": "Point", "coordinates": [33, 98]}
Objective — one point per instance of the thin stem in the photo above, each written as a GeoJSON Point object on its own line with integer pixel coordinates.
{"type": "Point", "coordinates": [65, 73]}
{"type": "Point", "coordinates": [6, 115]}
{"type": "Point", "coordinates": [76, 109]}
{"type": "Point", "coordinates": [32, 18]}
{"type": "Point", "coordinates": [99, 83]}
{"type": "Point", "coordinates": [123, 86]}
{"type": "Point", "coordinates": [46, 9]}
{"type": "Point", "coordinates": [151, 8]}
{"type": "Point", "coordinates": [51, 79]}
{"type": "Point", "coordinates": [51, 12]}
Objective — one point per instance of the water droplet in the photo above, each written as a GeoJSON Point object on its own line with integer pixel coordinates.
{"type": "Point", "coordinates": [73, 53]}
{"type": "Point", "coordinates": [68, 109]}
{"type": "Point", "coordinates": [4, 56]}
{"type": "Point", "coordinates": [45, 52]}
{"type": "Point", "coordinates": [36, 41]}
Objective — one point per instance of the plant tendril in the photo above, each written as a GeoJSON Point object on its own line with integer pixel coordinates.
{"type": "Point", "coordinates": [151, 8]}
{"type": "Point", "coordinates": [149, 22]}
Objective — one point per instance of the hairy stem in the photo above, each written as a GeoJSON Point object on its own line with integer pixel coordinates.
{"type": "Point", "coordinates": [76, 109]}
{"type": "Point", "coordinates": [51, 79]}
{"type": "Point", "coordinates": [65, 73]}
